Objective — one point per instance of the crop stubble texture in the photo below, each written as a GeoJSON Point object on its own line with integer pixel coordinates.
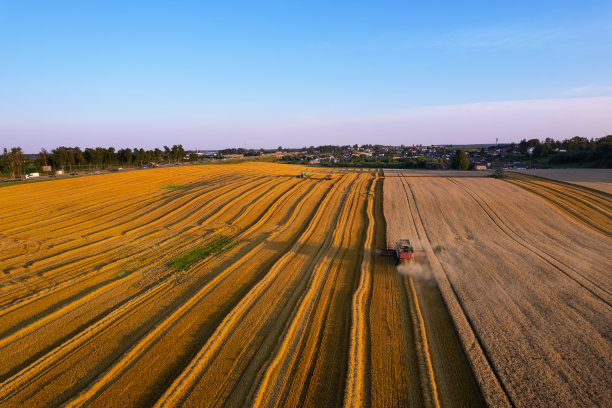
{"type": "Point", "coordinates": [93, 313]}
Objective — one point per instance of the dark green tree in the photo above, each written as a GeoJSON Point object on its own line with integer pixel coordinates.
{"type": "Point", "coordinates": [460, 160]}
{"type": "Point", "coordinates": [110, 157]}
{"type": "Point", "coordinates": [78, 156]}
{"type": "Point", "coordinates": [58, 157]}
{"type": "Point", "coordinates": [157, 154]}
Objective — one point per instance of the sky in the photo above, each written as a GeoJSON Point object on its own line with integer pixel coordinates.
{"type": "Point", "coordinates": [254, 74]}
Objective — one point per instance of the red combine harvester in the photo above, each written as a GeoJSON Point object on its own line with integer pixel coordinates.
{"type": "Point", "coordinates": [403, 252]}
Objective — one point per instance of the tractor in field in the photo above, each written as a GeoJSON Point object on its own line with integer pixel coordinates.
{"type": "Point", "coordinates": [403, 251]}
{"type": "Point", "coordinates": [328, 177]}
{"type": "Point", "coordinates": [304, 174]}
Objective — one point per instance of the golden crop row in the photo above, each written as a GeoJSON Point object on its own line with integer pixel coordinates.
{"type": "Point", "coordinates": [109, 298]}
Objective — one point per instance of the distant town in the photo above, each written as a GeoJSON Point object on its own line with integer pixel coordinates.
{"type": "Point", "coordinates": [574, 152]}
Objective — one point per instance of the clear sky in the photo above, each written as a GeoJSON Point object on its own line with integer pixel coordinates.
{"type": "Point", "coordinates": [299, 73]}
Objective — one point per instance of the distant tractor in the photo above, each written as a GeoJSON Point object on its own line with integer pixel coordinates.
{"type": "Point", "coordinates": [403, 251]}
{"type": "Point", "coordinates": [304, 174]}
{"type": "Point", "coordinates": [328, 177]}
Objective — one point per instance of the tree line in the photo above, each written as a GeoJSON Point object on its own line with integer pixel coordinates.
{"type": "Point", "coordinates": [577, 150]}
{"type": "Point", "coordinates": [14, 162]}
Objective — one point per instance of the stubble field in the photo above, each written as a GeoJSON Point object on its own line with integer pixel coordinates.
{"type": "Point", "coordinates": [211, 285]}
{"type": "Point", "coordinates": [240, 285]}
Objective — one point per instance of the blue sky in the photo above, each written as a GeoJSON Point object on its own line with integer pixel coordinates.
{"type": "Point", "coordinates": [269, 73]}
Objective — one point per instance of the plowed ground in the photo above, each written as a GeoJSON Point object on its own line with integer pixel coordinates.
{"type": "Point", "coordinates": [529, 289]}
{"type": "Point", "coordinates": [211, 285]}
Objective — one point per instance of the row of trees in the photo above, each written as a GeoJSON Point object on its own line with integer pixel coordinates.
{"type": "Point", "coordinates": [242, 151]}
{"type": "Point", "coordinates": [577, 150]}
{"type": "Point", "coordinates": [14, 161]}
{"type": "Point", "coordinates": [576, 143]}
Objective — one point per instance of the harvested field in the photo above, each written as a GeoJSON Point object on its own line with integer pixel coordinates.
{"type": "Point", "coordinates": [597, 179]}
{"type": "Point", "coordinates": [529, 289]}
{"type": "Point", "coordinates": [231, 285]}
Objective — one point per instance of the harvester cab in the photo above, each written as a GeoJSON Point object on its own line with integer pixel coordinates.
{"type": "Point", "coordinates": [404, 251]}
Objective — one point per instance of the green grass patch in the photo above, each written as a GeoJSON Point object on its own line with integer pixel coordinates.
{"type": "Point", "coordinates": [172, 187]}
{"type": "Point", "coordinates": [439, 248]}
{"type": "Point", "coordinates": [188, 259]}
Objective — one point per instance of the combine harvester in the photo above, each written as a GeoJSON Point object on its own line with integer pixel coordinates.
{"type": "Point", "coordinates": [403, 252]}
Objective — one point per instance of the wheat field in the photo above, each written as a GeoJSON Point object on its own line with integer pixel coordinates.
{"type": "Point", "coordinates": [243, 285]}
{"type": "Point", "coordinates": [528, 287]}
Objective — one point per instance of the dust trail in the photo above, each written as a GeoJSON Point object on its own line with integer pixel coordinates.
{"type": "Point", "coordinates": [419, 269]}
{"type": "Point", "coordinates": [416, 270]}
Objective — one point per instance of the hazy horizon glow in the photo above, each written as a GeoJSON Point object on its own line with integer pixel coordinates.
{"type": "Point", "coordinates": [265, 74]}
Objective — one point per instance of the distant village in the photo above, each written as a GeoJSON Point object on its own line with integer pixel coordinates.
{"type": "Point", "coordinates": [418, 156]}
{"type": "Point", "coordinates": [527, 154]}
{"type": "Point", "coordinates": [523, 155]}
